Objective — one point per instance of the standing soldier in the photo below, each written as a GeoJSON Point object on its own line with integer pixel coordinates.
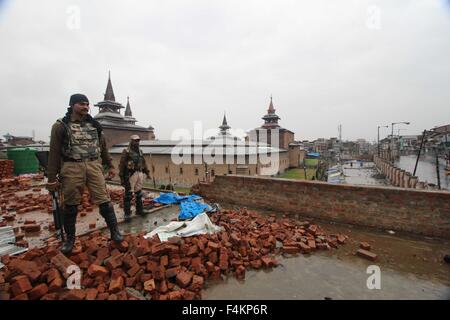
{"type": "Point", "coordinates": [76, 145]}
{"type": "Point", "coordinates": [131, 171]}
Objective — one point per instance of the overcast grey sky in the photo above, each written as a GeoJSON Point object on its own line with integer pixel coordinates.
{"type": "Point", "coordinates": [358, 63]}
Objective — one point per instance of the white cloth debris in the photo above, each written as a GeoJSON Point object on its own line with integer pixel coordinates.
{"type": "Point", "coordinates": [201, 224]}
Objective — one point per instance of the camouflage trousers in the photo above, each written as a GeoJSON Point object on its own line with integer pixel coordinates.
{"type": "Point", "coordinates": [75, 176]}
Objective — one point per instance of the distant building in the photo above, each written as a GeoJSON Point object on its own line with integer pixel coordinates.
{"type": "Point", "coordinates": [117, 127]}
{"type": "Point", "coordinates": [231, 156]}
{"type": "Point", "coordinates": [18, 140]}
{"type": "Point", "coordinates": [286, 139]}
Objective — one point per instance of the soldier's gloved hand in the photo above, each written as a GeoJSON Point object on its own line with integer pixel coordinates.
{"type": "Point", "coordinates": [53, 186]}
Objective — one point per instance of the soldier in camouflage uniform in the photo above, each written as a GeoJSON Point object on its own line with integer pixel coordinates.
{"type": "Point", "coordinates": [132, 168]}
{"type": "Point", "coordinates": [76, 146]}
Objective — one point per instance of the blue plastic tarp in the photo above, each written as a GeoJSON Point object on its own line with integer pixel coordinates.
{"type": "Point", "coordinates": [172, 198]}
{"type": "Point", "coordinates": [189, 208]}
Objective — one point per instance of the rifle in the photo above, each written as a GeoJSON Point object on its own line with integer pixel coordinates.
{"type": "Point", "coordinates": [42, 157]}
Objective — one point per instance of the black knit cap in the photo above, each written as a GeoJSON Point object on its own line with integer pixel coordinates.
{"type": "Point", "coordinates": [76, 98]}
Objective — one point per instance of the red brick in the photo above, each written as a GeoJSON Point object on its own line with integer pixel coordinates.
{"type": "Point", "coordinates": [365, 246]}
{"type": "Point", "coordinates": [113, 262]}
{"type": "Point", "coordinates": [130, 282]}
{"type": "Point", "coordinates": [38, 292]}
{"type": "Point", "coordinates": [150, 285]}
{"type": "Point", "coordinates": [305, 248]}
{"type": "Point", "coordinates": [102, 253]}
{"type": "Point", "coordinates": [312, 229]}
{"type": "Point", "coordinates": [267, 262]}
{"type": "Point", "coordinates": [116, 285]}
{"type": "Point", "coordinates": [193, 251]}
{"type": "Point", "coordinates": [164, 261]}
{"type": "Point", "coordinates": [197, 283]}
{"type": "Point", "coordinates": [132, 272]}
{"type": "Point", "coordinates": [183, 279]}
{"type": "Point", "coordinates": [312, 244]}
{"type": "Point", "coordinates": [75, 294]}
{"type": "Point", "coordinates": [175, 295]}
{"type": "Point", "coordinates": [210, 266]}
{"type": "Point", "coordinates": [103, 296]}
{"type": "Point", "coordinates": [188, 295]}
{"type": "Point", "coordinates": [22, 296]}
{"type": "Point", "coordinates": [213, 245]}
{"type": "Point", "coordinates": [61, 262]}
{"type": "Point", "coordinates": [290, 249]}
{"type": "Point", "coordinates": [341, 239]}
{"type": "Point", "coordinates": [91, 294]}
{"type": "Point", "coordinates": [223, 261]}
{"type": "Point", "coordinates": [96, 270]}
{"type": "Point", "coordinates": [56, 284]}
{"type": "Point", "coordinates": [240, 272]}
{"type": "Point", "coordinates": [31, 228]}
{"type": "Point", "coordinates": [196, 262]}
{"type": "Point", "coordinates": [172, 272]}
{"type": "Point", "coordinates": [256, 264]}
{"type": "Point", "coordinates": [367, 254]}
{"type": "Point", "coordinates": [28, 268]}
{"type": "Point", "coordinates": [160, 249]}
{"type": "Point", "coordinates": [21, 284]}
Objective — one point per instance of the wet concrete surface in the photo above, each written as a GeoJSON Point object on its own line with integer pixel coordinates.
{"type": "Point", "coordinates": [426, 169]}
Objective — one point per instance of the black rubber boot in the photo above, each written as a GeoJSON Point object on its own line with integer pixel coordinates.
{"type": "Point", "coordinates": [70, 219]}
{"type": "Point", "coordinates": [139, 206]}
{"type": "Point", "coordinates": [127, 205]}
{"type": "Point", "coordinates": [107, 212]}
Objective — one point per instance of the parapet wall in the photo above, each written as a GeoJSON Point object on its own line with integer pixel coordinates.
{"type": "Point", "coordinates": [415, 211]}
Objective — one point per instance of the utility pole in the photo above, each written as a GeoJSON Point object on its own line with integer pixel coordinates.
{"type": "Point", "coordinates": [437, 168]}
{"type": "Point", "coordinates": [420, 149]}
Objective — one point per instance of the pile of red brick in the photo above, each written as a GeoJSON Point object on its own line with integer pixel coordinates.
{"type": "Point", "coordinates": [19, 183]}
{"type": "Point", "coordinates": [6, 169]}
{"type": "Point", "coordinates": [141, 268]}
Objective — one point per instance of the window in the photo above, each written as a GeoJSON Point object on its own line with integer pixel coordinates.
{"type": "Point", "coordinates": [167, 169]}
{"type": "Point", "coordinates": [196, 171]}
{"type": "Point", "coordinates": [212, 173]}
{"type": "Point", "coordinates": [230, 171]}
{"type": "Point", "coordinates": [181, 170]}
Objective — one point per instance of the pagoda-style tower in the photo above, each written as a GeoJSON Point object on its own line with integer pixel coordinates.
{"type": "Point", "coordinates": [128, 113]}
{"type": "Point", "coordinates": [264, 133]}
{"type": "Point", "coordinates": [270, 119]}
{"type": "Point", "coordinates": [224, 127]}
{"type": "Point", "coordinates": [117, 127]}
{"type": "Point", "coordinates": [109, 103]}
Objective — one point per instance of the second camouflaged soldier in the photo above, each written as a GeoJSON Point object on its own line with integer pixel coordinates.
{"type": "Point", "coordinates": [77, 144]}
{"type": "Point", "coordinates": [132, 168]}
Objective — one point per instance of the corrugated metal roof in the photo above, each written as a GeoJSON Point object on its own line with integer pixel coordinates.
{"type": "Point", "coordinates": [11, 249]}
{"type": "Point", "coordinates": [7, 235]}
{"type": "Point", "coordinates": [7, 242]}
